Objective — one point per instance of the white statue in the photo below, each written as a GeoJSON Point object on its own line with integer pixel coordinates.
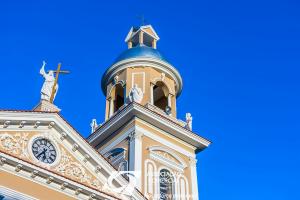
{"type": "Point", "coordinates": [46, 90]}
{"type": "Point", "coordinates": [189, 120]}
{"type": "Point", "coordinates": [136, 94]}
{"type": "Point", "coordinates": [94, 125]}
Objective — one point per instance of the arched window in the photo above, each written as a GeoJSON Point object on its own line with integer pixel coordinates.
{"type": "Point", "coordinates": [118, 97]}
{"type": "Point", "coordinates": [160, 95]}
{"type": "Point", "coordinates": [166, 185]}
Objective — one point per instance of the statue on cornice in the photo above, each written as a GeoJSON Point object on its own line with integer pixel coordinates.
{"type": "Point", "coordinates": [136, 94]}
{"type": "Point", "coordinates": [189, 120]}
{"type": "Point", "coordinates": [49, 82]}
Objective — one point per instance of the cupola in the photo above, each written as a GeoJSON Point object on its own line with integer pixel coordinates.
{"type": "Point", "coordinates": [141, 71]}
{"type": "Point", "coordinates": [142, 36]}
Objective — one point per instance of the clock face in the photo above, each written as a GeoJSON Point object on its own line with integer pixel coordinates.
{"type": "Point", "coordinates": [44, 150]}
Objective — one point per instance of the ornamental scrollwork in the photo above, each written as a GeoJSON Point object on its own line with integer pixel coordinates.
{"type": "Point", "coordinates": [14, 143]}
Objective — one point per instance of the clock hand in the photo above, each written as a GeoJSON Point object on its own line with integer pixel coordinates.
{"type": "Point", "coordinates": [43, 152]}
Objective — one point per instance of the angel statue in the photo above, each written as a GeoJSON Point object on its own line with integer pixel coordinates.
{"type": "Point", "coordinates": [47, 88]}
{"type": "Point", "coordinates": [136, 94]}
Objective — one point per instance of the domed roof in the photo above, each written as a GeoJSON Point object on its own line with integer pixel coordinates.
{"type": "Point", "coordinates": [140, 52]}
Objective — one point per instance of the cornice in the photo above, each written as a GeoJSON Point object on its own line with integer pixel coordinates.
{"type": "Point", "coordinates": [145, 62]}
{"type": "Point", "coordinates": [136, 110]}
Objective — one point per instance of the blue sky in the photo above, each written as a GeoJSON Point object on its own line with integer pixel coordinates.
{"type": "Point", "coordinates": [239, 61]}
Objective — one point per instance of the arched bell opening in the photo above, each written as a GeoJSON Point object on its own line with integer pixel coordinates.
{"type": "Point", "coordinates": [116, 99]}
{"type": "Point", "coordinates": [161, 95]}
{"type": "Point", "coordinates": [119, 97]}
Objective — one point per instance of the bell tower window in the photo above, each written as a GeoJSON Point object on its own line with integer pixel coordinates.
{"type": "Point", "coordinates": [116, 99]}
{"type": "Point", "coordinates": [119, 97]}
{"type": "Point", "coordinates": [166, 183]}
{"type": "Point", "coordinates": [160, 95]}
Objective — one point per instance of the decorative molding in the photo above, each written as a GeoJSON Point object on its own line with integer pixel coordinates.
{"type": "Point", "coordinates": [2, 161]}
{"type": "Point", "coordinates": [22, 124]}
{"type": "Point", "coordinates": [63, 135]}
{"type": "Point", "coordinates": [34, 173]}
{"type": "Point", "coordinates": [138, 73]}
{"type": "Point", "coordinates": [86, 157]}
{"type": "Point", "coordinates": [18, 167]}
{"type": "Point", "coordinates": [137, 62]}
{"type": "Point", "coordinates": [64, 185]}
{"type": "Point", "coordinates": [192, 161]}
{"type": "Point", "coordinates": [51, 124]}
{"type": "Point", "coordinates": [37, 124]}
{"type": "Point", "coordinates": [6, 124]}
{"type": "Point", "coordinates": [49, 180]}
{"type": "Point", "coordinates": [75, 147]}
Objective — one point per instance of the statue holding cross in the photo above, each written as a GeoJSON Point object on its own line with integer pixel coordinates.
{"type": "Point", "coordinates": [50, 86]}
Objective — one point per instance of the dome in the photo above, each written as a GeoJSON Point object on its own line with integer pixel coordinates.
{"type": "Point", "coordinates": [140, 52]}
{"type": "Point", "coordinates": [141, 55]}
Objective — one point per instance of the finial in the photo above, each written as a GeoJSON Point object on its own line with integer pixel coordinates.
{"type": "Point", "coordinates": [142, 19]}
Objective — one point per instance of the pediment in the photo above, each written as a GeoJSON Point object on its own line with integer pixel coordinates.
{"type": "Point", "coordinates": [20, 143]}
{"type": "Point", "coordinates": [76, 160]}
{"type": "Point", "coordinates": [167, 157]}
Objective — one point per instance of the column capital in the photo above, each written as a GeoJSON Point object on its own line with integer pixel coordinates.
{"type": "Point", "coordinates": [192, 161]}
{"type": "Point", "coordinates": [133, 135]}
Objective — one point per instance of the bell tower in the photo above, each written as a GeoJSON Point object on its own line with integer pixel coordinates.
{"type": "Point", "coordinates": [141, 131]}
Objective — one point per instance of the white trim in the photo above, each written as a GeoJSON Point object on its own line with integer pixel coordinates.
{"type": "Point", "coordinates": [10, 194]}
{"type": "Point", "coordinates": [166, 134]}
{"type": "Point", "coordinates": [170, 163]}
{"type": "Point", "coordinates": [146, 177]}
{"type": "Point", "coordinates": [117, 141]}
{"type": "Point", "coordinates": [179, 186]}
{"type": "Point", "coordinates": [132, 79]}
{"type": "Point", "coordinates": [130, 34]}
{"type": "Point", "coordinates": [54, 143]}
{"type": "Point", "coordinates": [164, 141]}
{"type": "Point", "coordinates": [194, 181]}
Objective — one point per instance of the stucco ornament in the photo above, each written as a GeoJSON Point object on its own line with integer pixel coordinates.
{"type": "Point", "coordinates": [136, 94]}
{"type": "Point", "coordinates": [48, 83]}
{"type": "Point", "coordinates": [14, 144]}
{"type": "Point", "coordinates": [189, 120]}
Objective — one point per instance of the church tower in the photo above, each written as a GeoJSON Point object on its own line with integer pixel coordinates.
{"type": "Point", "coordinates": [141, 132]}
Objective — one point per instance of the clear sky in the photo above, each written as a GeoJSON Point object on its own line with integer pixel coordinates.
{"type": "Point", "coordinates": [239, 61]}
